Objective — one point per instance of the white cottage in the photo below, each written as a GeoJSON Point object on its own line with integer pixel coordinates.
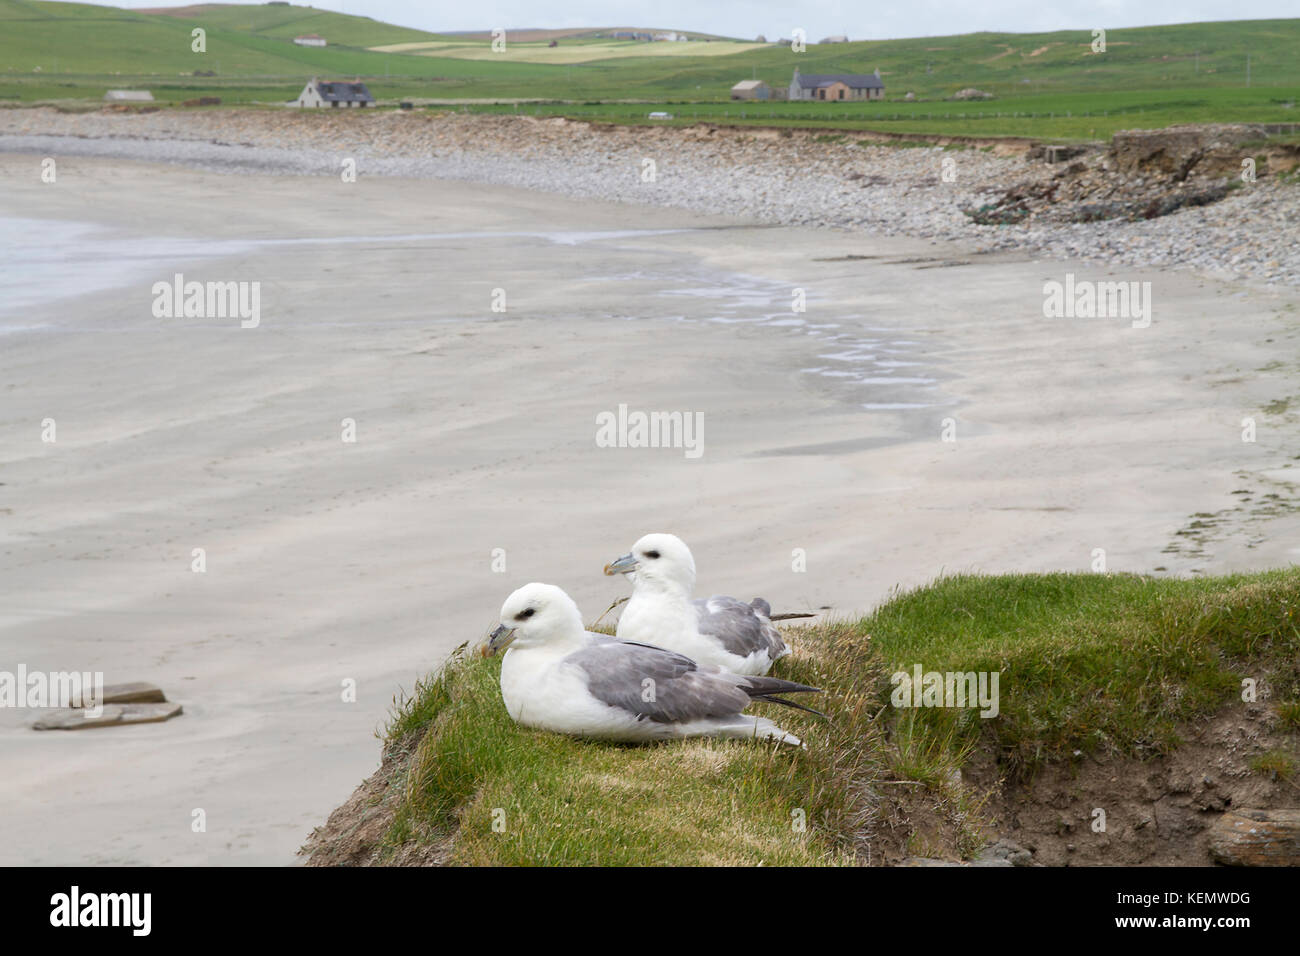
{"type": "Point", "coordinates": [318, 93]}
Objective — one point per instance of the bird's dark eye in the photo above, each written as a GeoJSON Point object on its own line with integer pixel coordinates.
{"type": "Point", "coordinates": [652, 554]}
{"type": "Point", "coordinates": [525, 614]}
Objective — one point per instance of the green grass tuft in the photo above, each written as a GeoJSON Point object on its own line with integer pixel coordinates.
{"type": "Point", "coordinates": [1276, 764]}
{"type": "Point", "coordinates": [1289, 713]}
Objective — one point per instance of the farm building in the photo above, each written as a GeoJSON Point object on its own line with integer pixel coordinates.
{"type": "Point", "coordinates": [128, 96]}
{"type": "Point", "coordinates": [837, 86]}
{"type": "Point", "coordinates": [317, 93]}
{"type": "Point", "coordinates": [310, 39]}
{"type": "Point", "coordinates": [751, 90]}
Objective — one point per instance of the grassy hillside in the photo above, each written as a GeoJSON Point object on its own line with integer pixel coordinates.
{"type": "Point", "coordinates": [585, 50]}
{"type": "Point", "coordinates": [290, 21]}
{"type": "Point", "coordinates": [1112, 666]}
{"type": "Point", "coordinates": [36, 10]}
{"type": "Point", "coordinates": [1046, 84]}
{"type": "Point", "coordinates": [73, 52]}
{"type": "Point", "coordinates": [82, 42]}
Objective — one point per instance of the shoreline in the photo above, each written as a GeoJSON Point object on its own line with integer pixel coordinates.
{"type": "Point", "coordinates": [782, 178]}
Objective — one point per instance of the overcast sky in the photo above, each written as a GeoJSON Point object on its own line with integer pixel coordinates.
{"type": "Point", "coordinates": [859, 19]}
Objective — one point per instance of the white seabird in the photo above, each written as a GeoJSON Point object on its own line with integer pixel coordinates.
{"type": "Point", "coordinates": [719, 630]}
{"type": "Point", "coordinates": [560, 677]}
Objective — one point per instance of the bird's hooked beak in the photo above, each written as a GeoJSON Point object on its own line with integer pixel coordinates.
{"type": "Point", "coordinates": [497, 640]}
{"type": "Point", "coordinates": [624, 565]}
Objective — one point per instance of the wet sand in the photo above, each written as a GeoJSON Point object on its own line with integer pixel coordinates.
{"type": "Point", "coordinates": [330, 561]}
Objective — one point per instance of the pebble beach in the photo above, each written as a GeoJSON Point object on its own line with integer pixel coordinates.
{"type": "Point", "coordinates": [779, 177]}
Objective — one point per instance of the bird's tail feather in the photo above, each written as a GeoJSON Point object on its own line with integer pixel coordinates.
{"type": "Point", "coordinates": [759, 686]}
{"type": "Point", "coordinates": [789, 703]}
{"type": "Point", "coordinates": [765, 688]}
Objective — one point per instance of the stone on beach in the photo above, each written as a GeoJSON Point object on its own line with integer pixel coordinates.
{"type": "Point", "coordinates": [136, 692]}
{"type": "Point", "coordinates": [114, 715]}
{"type": "Point", "coordinates": [136, 702]}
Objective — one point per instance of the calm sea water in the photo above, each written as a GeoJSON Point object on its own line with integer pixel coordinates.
{"type": "Point", "coordinates": [46, 260]}
{"type": "Point", "coordinates": [869, 365]}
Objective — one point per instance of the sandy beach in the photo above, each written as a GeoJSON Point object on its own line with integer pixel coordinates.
{"type": "Point", "coordinates": [330, 561]}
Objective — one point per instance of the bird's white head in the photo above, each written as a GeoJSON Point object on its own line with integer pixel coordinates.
{"type": "Point", "coordinates": [660, 561]}
{"type": "Point", "coordinates": [535, 615]}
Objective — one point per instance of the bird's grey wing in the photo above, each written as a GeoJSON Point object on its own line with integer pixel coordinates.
{"type": "Point", "coordinates": [656, 684]}
{"type": "Point", "coordinates": [741, 628]}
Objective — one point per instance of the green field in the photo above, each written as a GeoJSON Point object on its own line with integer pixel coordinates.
{"type": "Point", "coordinates": [1046, 85]}
{"type": "Point", "coordinates": [1051, 116]}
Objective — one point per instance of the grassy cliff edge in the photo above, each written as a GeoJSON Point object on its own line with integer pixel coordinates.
{"type": "Point", "coordinates": [1101, 677]}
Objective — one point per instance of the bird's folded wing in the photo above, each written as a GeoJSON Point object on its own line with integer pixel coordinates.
{"type": "Point", "coordinates": [656, 684]}
{"type": "Point", "coordinates": [737, 626]}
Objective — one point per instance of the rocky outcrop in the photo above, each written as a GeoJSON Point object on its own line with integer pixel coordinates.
{"type": "Point", "coordinates": [1000, 854]}
{"type": "Point", "coordinates": [1146, 174]}
{"type": "Point", "coordinates": [1257, 838]}
{"type": "Point", "coordinates": [1175, 153]}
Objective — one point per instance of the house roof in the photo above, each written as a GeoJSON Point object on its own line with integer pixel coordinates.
{"type": "Point", "coordinates": [749, 85]}
{"type": "Point", "coordinates": [309, 36]}
{"type": "Point", "coordinates": [854, 81]}
{"type": "Point", "coordinates": [344, 93]}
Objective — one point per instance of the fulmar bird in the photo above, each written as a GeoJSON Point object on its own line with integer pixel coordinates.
{"type": "Point", "coordinates": [560, 677]}
{"type": "Point", "coordinates": [719, 630]}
